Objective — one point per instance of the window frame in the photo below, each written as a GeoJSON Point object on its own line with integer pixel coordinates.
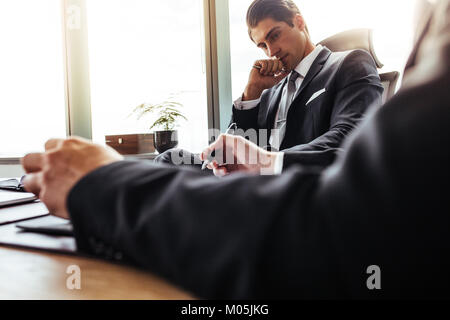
{"type": "Point", "coordinates": [77, 78]}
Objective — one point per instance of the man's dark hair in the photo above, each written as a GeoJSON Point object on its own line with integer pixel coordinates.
{"type": "Point", "coordinates": [278, 10]}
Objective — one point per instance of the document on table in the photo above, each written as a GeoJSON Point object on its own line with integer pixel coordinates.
{"type": "Point", "coordinates": [8, 198]}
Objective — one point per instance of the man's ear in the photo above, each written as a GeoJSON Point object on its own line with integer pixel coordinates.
{"type": "Point", "coordinates": [299, 22]}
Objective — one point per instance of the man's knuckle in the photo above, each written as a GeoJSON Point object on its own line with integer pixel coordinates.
{"type": "Point", "coordinates": [69, 142]}
{"type": "Point", "coordinates": [50, 157]}
{"type": "Point", "coordinates": [43, 195]}
{"type": "Point", "coordinates": [46, 176]}
{"type": "Point", "coordinates": [25, 159]}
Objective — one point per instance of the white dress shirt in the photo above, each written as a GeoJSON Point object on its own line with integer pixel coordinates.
{"type": "Point", "coordinates": [275, 140]}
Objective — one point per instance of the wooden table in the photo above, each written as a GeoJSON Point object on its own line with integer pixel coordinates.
{"type": "Point", "coordinates": [30, 274]}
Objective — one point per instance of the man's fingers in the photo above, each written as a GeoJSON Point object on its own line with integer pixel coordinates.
{"type": "Point", "coordinates": [276, 67]}
{"type": "Point", "coordinates": [218, 144]}
{"type": "Point", "coordinates": [53, 143]}
{"type": "Point", "coordinates": [220, 172]}
{"type": "Point", "coordinates": [32, 162]}
{"type": "Point", "coordinates": [264, 67]}
{"type": "Point", "coordinates": [213, 164]}
{"type": "Point", "coordinates": [219, 147]}
{"type": "Point", "coordinates": [205, 153]}
{"type": "Point", "coordinates": [33, 183]}
{"type": "Point", "coordinates": [269, 67]}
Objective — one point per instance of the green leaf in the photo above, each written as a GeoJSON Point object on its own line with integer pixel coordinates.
{"type": "Point", "coordinates": [168, 113]}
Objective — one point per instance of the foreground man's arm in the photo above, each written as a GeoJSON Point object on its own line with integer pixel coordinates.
{"type": "Point", "coordinates": [181, 224]}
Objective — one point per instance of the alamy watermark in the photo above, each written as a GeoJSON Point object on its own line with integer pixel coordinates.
{"type": "Point", "coordinates": [236, 148]}
{"type": "Point", "coordinates": [73, 17]}
{"type": "Point", "coordinates": [374, 280]}
{"type": "Point", "coordinates": [73, 282]}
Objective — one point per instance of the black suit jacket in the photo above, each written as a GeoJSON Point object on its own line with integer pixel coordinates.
{"type": "Point", "coordinates": [304, 233]}
{"type": "Point", "coordinates": [315, 130]}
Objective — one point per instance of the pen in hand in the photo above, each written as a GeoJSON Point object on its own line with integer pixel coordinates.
{"type": "Point", "coordinates": [210, 157]}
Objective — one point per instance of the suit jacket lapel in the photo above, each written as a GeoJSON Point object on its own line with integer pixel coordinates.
{"type": "Point", "coordinates": [315, 69]}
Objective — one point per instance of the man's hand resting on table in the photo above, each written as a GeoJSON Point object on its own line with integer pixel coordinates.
{"type": "Point", "coordinates": [235, 153]}
{"type": "Point", "coordinates": [52, 174]}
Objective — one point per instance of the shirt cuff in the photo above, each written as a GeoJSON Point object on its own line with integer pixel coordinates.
{"type": "Point", "coordinates": [245, 105]}
{"type": "Point", "coordinates": [278, 164]}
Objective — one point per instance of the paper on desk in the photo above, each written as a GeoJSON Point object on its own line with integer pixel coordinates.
{"type": "Point", "coordinates": [22, 212]}
{"type": "Point", "coordinates": [12, 236]}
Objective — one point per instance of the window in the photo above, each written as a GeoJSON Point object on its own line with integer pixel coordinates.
{"type": "Point", "coordinates": [148, 51]}
{"type": "Point", "coordinates": [391, 22]}
{"type": "Point", "coordinates": [32, 75]}
{"type": "Point", "coordinates": [144, 51]}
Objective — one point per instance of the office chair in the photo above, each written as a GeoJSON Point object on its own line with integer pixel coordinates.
{"type": "Point", "coordinates": [362, 39]}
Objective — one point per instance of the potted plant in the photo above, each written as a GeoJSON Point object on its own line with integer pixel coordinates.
{"type": "Point", "coordinates": [168, 114]}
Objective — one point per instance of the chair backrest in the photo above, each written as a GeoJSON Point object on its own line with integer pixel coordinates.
{"type": "Point", "coordinates": [362, 39]}
{"type": "Point", "coordinates": [389, 83]}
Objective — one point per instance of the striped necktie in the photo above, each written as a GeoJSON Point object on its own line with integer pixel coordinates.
{"type": "Point", "coordinates": [285, 103]}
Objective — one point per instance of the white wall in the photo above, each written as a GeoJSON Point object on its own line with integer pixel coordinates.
{"type": "Point", "coordinates": [11, 170]}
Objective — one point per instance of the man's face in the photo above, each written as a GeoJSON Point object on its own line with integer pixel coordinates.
{"type": "Point", "coordinates": [279, 40]}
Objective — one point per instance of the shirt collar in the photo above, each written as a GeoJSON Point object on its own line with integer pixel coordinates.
{"type": "Point", "coordinates": [304, 65]}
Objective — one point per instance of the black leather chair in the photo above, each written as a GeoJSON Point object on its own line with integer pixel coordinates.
{"type": "Point", "coordinates": [362, 39]}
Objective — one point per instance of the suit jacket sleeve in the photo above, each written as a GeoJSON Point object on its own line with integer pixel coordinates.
{"type": "Point", "coordinates": [245, 119]}
{"type": "Point", "coordinates": [357, 87]}
{"type": "Point", "coordinates": [188, 228]}
{"type": "Point", "coordinates": [304, 233]}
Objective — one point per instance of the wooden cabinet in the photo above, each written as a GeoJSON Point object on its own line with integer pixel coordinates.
{"type": "Point", "coordinates": [131, 143]}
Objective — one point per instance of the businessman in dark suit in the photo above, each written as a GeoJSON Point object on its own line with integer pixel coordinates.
{"type": "Point", "coordinates": [305, 99]}
{"type": "Point", "coordinates": [307, 233]}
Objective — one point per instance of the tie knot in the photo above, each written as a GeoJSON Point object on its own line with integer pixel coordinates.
{"type": "Point", "coordinates": [294, 75]}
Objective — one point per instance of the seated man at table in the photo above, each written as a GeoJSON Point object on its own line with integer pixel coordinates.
{"type": "Point", "coordinates": [304, 99]}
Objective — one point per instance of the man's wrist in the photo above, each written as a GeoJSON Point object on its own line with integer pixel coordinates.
{"type": "Point", "coordinates": [274, 161]}
{"type": "Point", "coordinates": [245, 105]}
{"type": "Point", "coordinates": [251, 92]}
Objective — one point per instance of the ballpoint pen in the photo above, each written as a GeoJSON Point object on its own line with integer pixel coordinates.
{"type": "Point", "coordinates": [208, 160]}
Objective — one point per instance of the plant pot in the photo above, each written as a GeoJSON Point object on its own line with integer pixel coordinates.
{"type": "Point", "coordinates": [165, 140]}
